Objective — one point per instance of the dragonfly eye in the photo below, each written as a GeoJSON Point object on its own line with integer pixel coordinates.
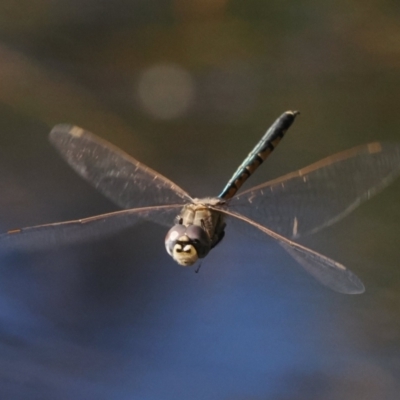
{"type": "Point", "coordinates": [172, 238]}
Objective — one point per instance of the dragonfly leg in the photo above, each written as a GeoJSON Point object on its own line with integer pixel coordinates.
{"type": "Point", "coordinates": [198, 268]}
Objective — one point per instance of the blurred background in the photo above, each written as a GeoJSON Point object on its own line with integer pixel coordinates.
{"type": "Point", "coordinates": [188, 87]}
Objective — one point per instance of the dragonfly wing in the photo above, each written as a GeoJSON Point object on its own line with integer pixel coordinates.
{"type": "Point", "coordinates": [317, 196]}
{"type": "Point", "coordinates": [327, 271]}
{"type": "Point", "coordinates": [121, 178]}
{"type": "Point", "coordinates": [88, 229]}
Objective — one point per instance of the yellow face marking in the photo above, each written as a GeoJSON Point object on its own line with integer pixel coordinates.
{"type": "Point", "coordinates": [186, 257]}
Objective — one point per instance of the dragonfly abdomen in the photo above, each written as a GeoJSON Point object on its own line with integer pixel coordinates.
{"type": "Point", "coordinates": [260, 152]}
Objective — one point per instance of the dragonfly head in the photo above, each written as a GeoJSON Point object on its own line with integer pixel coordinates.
{"type": "Point", "coordinates": [187, 244]}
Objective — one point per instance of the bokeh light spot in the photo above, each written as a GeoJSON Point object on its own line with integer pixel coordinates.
{"type": "Point", "coordinates": [166, 91]}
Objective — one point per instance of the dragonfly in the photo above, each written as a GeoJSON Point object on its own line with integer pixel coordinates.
{"type": "Point", "coordinates": [284, 209]}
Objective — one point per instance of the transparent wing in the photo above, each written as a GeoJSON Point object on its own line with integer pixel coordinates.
{"type": "Point", "coordinates": [100, 226]}
{"type": "Point", "coordinates": [325, 270]}
{"type": "Point", "coordinates": [317, 196]}
{"type": "Point", "coordinates": [121, 178]}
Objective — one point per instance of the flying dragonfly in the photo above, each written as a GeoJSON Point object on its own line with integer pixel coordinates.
{"type": "Point", "coordinates": [299, 203]}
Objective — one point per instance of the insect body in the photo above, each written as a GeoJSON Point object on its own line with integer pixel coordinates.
{"type": "Point", "coordinates": [198, 229]}
{"type": "Point", "coordinates": [201, 228]}
{"type": "Point", "coordinates": [284, 209]}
